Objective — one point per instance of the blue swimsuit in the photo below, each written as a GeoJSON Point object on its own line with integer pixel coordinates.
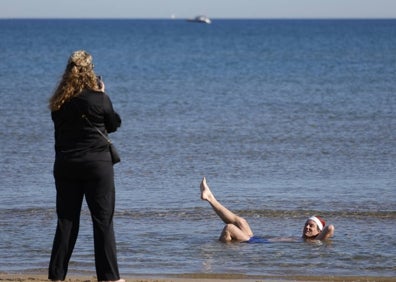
{"type": "Point", "coordinates": [256, 239]}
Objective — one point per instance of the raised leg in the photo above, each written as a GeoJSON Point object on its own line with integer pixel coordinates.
{"type": "Point", "coordinates": [237, 228]}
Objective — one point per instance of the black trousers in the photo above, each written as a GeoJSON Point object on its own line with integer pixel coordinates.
{"type": "Point", "coordinates": [95, 181]}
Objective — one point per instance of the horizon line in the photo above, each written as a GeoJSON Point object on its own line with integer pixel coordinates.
{"type": "Point", "coordinates": [213, 18]}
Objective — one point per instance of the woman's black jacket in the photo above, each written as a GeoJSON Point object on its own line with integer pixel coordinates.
{"type": "Point", "coordinates": [75, 138]}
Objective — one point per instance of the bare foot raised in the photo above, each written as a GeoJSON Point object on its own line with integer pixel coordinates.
{"type": "Point", "coordinates": [206, 194]}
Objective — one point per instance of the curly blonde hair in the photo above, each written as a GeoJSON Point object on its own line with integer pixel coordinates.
{"type": "Point", "coordinates": [78, 75]}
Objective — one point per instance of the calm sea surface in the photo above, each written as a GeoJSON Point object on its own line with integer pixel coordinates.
{"type": "Point", "coordinates": [285, 118]}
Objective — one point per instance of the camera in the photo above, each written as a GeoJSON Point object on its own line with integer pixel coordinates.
{"type": "Point", "coordinates": [99, 81]}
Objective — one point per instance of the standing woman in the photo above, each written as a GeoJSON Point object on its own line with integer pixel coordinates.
{"type": "Point", "coordinates": [83, 166]}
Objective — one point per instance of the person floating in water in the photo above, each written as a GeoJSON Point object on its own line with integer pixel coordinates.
{"type": "Point", "coordinates": [237, 229]}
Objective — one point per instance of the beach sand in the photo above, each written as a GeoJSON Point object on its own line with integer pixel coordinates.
{"type": "Point", "coordinates": [201, 277]}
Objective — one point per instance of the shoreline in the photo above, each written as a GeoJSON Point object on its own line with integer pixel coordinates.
{"type": "Point", "coordinates": [204, 277]}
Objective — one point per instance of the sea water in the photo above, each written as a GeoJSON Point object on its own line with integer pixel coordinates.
{"type": "Point", "coordinates": [285, 118]}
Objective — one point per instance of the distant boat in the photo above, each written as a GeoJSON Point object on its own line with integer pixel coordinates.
{"type": "Point", "coordinates": [200, 19]}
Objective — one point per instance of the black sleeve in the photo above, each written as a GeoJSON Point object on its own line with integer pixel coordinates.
{"type": "Point", "coordinates": [112, 120]}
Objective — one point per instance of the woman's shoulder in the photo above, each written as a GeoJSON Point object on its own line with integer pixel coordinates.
{"type": "Point", "coordinates": [92, 92]}
{"type": "Point", "coordinates": [93, 96]}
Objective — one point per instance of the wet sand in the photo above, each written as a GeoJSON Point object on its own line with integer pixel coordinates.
{"type": "Point", "coordinates": [200, 277]}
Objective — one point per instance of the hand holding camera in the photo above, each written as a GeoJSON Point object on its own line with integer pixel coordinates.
{"type": "Point", "coordinates": [101, 86]}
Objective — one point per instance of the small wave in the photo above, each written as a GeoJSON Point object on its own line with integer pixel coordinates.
{"type": "Point", "coordinates": [199, 212]}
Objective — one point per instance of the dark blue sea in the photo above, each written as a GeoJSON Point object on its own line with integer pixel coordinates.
{"type": "Point", "coordinates": [285, 118]}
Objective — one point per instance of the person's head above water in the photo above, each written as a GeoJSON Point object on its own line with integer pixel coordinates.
{"type": "Point", "coordinates": [313, 227]}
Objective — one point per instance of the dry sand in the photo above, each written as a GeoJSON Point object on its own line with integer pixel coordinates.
{"type": "Point", "coordinates": [201, 277]}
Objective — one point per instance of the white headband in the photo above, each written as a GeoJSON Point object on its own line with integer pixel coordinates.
{"type": "Point", "coordinates": [317, 221]}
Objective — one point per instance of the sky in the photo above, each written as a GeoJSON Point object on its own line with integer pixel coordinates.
{"type": "Point", "coordinates": [182, 9]}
